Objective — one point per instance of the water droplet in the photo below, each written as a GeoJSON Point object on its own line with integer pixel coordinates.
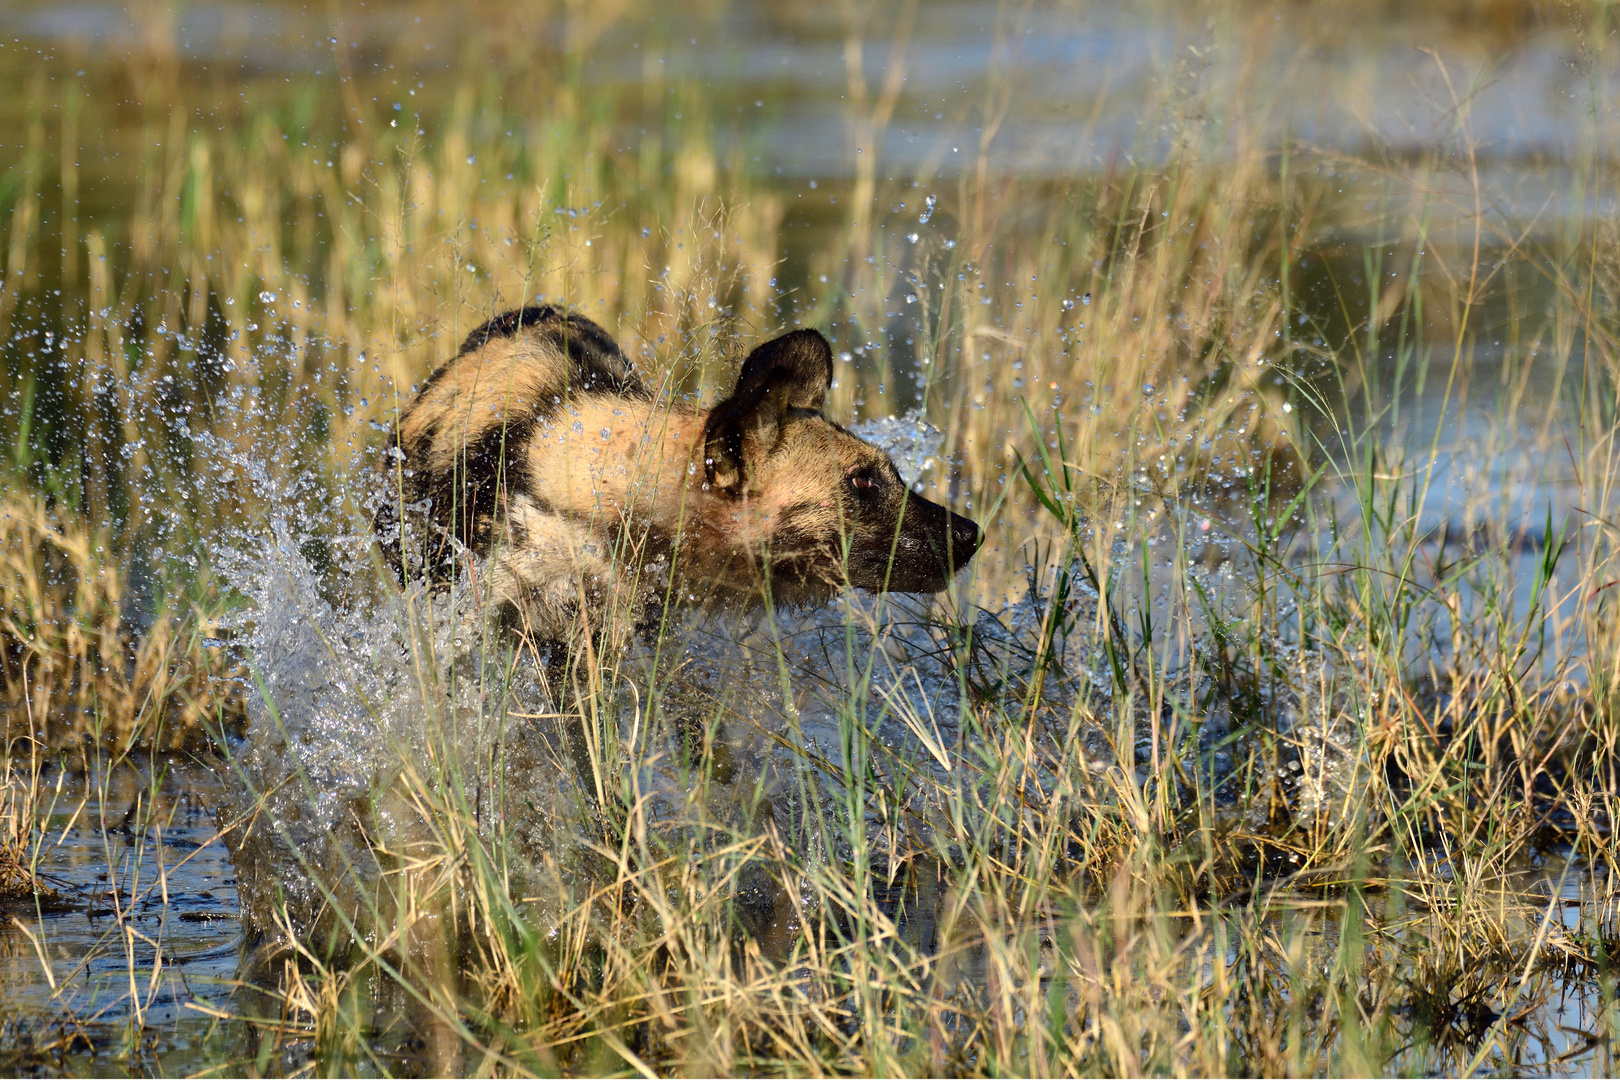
{"type": "Point", "coordinates": [928, 210]}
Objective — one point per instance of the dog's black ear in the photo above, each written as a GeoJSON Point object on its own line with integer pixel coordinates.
{"type": "Point", "coordinates": [781, 376]}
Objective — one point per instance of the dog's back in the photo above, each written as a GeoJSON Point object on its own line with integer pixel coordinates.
{"type": "Point", "coordinates": [463, 440]}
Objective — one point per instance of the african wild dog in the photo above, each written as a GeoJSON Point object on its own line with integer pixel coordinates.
{"type": "Point", "coordinates": [539, 448]}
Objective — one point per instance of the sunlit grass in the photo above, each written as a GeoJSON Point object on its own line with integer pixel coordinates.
{"type": "Point", "coordinates": [1240, 750]}
{"type": "Point", "coordinates": [76, 665]}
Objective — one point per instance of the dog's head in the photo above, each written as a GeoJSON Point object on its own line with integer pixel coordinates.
{"type": "Point", "coordinates": [825, 507]}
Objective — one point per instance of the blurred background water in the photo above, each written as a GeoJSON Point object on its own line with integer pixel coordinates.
{"type": "Point", "coordinates": [1476, 124]}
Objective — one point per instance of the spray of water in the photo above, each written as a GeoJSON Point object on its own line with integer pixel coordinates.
{"type": "Point", "coordinates": [365, 695]}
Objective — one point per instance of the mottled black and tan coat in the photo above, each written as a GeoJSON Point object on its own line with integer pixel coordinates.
{"type": "Point", "coordinates": [539, 449]}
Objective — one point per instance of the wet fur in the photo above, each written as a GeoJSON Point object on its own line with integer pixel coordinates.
{"type": "Point", "coordinates": [538, 448]}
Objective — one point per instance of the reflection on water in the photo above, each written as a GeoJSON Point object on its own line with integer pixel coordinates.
{"type": "Point", "coordinates": [141, 938]}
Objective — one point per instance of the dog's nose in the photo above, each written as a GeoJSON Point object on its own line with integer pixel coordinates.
{"type": "Point", "coordinates": [966, 536]}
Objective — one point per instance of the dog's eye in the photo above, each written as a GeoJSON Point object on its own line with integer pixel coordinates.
{"type": "Point", "coordinates": [862, 483]}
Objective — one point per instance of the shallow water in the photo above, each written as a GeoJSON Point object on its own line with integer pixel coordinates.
{"type": "Point", "coordinates": [92, 1020]}
{"type": "Point", "coordinates": [141, 937]}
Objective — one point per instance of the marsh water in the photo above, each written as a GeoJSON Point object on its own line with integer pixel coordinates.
{"type": "Point", "coordinates": [135, 952]}
{"type": "Point", "coordinates": [1506, 113]}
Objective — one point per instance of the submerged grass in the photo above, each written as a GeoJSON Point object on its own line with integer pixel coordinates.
{"type": "Point", "coordinates": [1264, 738]}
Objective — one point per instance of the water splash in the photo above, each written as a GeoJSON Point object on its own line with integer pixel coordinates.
{"type": "Point", "coordinates": [375, 708]}
{"type": "Point", "coordinates": [911, 441]}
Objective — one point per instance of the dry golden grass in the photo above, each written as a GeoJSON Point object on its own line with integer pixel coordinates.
{"type": "Point", "coordinates": [20, 813]}
{"type": "Point", "coordinates": [73, 667]}
{"type": "Point", "coordinates": [1086, 884]}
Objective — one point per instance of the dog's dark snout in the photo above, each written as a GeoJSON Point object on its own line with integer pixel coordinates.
{"type": "Point", "coordinates": [966, 536]}
{"type": "Point", "coordinates": [934, 544]}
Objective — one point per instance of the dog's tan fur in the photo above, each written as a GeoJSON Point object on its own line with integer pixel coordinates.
{"type": "Point", "coordinates": [540, 448]}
